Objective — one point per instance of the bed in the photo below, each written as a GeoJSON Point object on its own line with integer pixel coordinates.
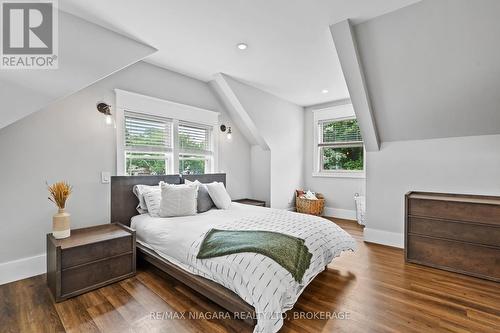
{"type": "Point", "coordinates": [252, 286]}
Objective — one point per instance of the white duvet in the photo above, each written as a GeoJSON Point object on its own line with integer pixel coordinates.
{"type": "Point", "coordinates": [257, 279]}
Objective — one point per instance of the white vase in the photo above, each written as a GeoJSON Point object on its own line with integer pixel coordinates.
{"type": "Point", "coordinates": [60, 224]}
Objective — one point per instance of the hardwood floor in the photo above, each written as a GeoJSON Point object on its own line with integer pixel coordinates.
{"type": "Point", "coordinates": [373, 287]}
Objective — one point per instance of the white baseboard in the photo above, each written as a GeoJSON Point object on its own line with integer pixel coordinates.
{"type": "Point", "coordinates": [22, 268]}
{"type": "Point", "coordinates": [383, 237]}
{"type": "Point", "coordinates": [339, 213]}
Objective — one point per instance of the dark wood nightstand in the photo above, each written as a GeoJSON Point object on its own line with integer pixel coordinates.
{"type": "Point", "coordinates": [89, 259]}
{"type": "Point", "coordinates": [252, 202]}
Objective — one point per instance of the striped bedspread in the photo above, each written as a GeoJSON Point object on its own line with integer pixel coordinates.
{"type": "Point", "coordinates": [259, 280]}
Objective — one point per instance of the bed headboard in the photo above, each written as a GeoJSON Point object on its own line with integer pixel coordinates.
{"type": "Point", "coordinates": [124, 201]}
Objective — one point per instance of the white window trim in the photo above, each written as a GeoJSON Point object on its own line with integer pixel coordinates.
{"type": "Point", "coordinates": [126, 101]}
{"type": "Point", "coordinates": [335, 113]}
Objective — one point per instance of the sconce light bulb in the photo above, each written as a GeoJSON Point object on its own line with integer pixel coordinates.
{"type": "Point", "coordinates": [109, 119]}
{"type": "Point", "coordinates": [229, 136]}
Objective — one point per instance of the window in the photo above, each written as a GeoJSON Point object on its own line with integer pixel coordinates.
{"type": "Point", "coordinates": [151, 149]}
{"type": "Point", "coordinates": [339, 145]}
{"type": "Point", "coordinates": [148, 145]}
{"type": "Point", "coordinates": [194, 148]}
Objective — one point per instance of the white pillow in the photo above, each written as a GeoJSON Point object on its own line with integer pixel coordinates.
{"type": "Point", "coordinates": [178, 200]}
{"type": "Point", "coordinates": [139, 191]}
{"type": "Point", "coordinates": [152, 198]}
{"type": "Point", "coordinates": [219, 195]}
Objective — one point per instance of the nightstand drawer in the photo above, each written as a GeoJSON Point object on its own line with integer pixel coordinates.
{"type": "Point", "coordinates": [76, 279]}
{"type": "Point", "coordinates": [90, 252]}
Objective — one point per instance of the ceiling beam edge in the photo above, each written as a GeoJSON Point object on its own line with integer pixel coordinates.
{"type": "Point", "coordinates": [347, 51]}
{"type": "Point", "coordinates": [237, 111]}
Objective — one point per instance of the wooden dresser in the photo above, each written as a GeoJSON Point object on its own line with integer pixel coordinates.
{"type": "Point", "coordinates": [458, 233]}
{"type": "Point", "coordinates": [90, 258]}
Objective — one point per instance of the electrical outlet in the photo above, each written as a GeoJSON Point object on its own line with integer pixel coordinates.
{"type": "Point", "coordinates": [105, 177]}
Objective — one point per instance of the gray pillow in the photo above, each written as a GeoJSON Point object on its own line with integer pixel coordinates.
{"type": "Point", "coordinates": [204, 201]}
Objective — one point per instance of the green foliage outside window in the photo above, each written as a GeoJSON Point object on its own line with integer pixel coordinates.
{"type": "Point", "coordinates": [347, 133]}
{"type": "Point", "coordinates": [343, 158]}
{"type": "Point", "coordinates": [146, 164]}
{"type": "Point", "coordinates": [192, 166]}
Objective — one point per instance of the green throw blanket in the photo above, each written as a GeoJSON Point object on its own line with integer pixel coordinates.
{"type": "Point", "coordinates": [288, 251]}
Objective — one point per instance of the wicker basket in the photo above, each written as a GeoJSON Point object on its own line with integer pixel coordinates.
{"type": "Point", "coordinates": [307, 206]}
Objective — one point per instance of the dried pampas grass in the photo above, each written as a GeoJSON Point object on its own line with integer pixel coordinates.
{"type": "Point", "coordinates": [59, 193]}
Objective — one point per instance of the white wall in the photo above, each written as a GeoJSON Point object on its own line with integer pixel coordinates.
{"type": "Point", "coordinates": [339, 192]}
{"type": "Point", "coordinates": [469, 165]}
{"type": "Point", "coordinates": [69, 141]}
{"type": "Point", "coordinates": [260, 162]}
{"type": "Point", "coordinates": [281, 124]}
{"type": "Point", "coordinates": [432, 69]}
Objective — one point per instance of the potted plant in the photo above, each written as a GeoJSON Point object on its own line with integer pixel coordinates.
{"type": "Point", "coordinates": [59, 194]}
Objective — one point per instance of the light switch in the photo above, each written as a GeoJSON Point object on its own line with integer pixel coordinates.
{"type": "Point", "coordinates": [105, 177]}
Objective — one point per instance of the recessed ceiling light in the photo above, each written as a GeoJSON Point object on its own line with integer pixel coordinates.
{"type": "Point", "coordinates": [242, 46]}
{"type": "Point", "coordinates": [324, 91]}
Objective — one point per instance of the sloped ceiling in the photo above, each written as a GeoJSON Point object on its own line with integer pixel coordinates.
{"type": "Point", "coordinates": [290, 49]}
{"type": "Point", "coordinates": [87, 53]}
{"type": "Point", "coordinates": [433, 70]}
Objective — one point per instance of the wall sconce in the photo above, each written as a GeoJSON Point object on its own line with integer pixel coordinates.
{"type": "Point", "coordinates": [223, 128]}
{"type": "Point", "coordinates": [106, 110]}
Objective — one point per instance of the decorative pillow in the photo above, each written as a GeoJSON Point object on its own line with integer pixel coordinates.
{"type": "Point", "coordinates": [178, 200]}
{"type": "Point", "coordinates": [204, 202]}
{"type": "Point", "coordinates": [139, 190]}
{"type": "Point", "coordinates": [219, 195]}
{"type": "Point", "coordinates": [153, 200]}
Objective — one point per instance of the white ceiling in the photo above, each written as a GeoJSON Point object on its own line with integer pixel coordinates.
{"type": "Point", "coordinates": [290, 54]}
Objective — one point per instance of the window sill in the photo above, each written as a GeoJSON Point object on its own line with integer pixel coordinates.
{"type": "Point", "coordinates": [346, 174]}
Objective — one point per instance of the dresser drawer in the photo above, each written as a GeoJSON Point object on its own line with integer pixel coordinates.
{"type": "Point", "coordinates": [455, 256]}
{"type": "Point", "coordinates": [86, 253]}
{"type": "Point", "coordinates": [81, 277]}
{"type": "Point", "coordinates": [474, 233]}
{"type": "Point", "coordinates": [455, 210]}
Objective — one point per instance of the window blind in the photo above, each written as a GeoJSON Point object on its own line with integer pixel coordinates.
{"type": "Point", "coordinates": [194, 139]}
{"type": "Point", "coordinates": [340, 132]}
{"type": "Point", "coordinates": [147, 134]}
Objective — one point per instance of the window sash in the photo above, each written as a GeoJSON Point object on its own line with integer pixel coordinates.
{"type": "Point", "coordinates": [161, 156]}
{"type": "Point", "coordinates": [340, 138]}
{"type": "Point", "coordinates": [168, 140]}
{"type": "Point", "coordinates": [196, 157]}
{"type": "Point", "coordinates": [137, 125]}
{"type": "Point", "coordinates": [199, 137]}
{"type": "Point", "coordinates": [321, 159]}
{"type": "Point", "coordinates": [341, 144]}
{"type": "Point", "coordinates": [347, 143]}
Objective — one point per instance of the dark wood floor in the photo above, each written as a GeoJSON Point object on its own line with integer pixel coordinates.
{"type": "Point", "coordinates": [373, 287]}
